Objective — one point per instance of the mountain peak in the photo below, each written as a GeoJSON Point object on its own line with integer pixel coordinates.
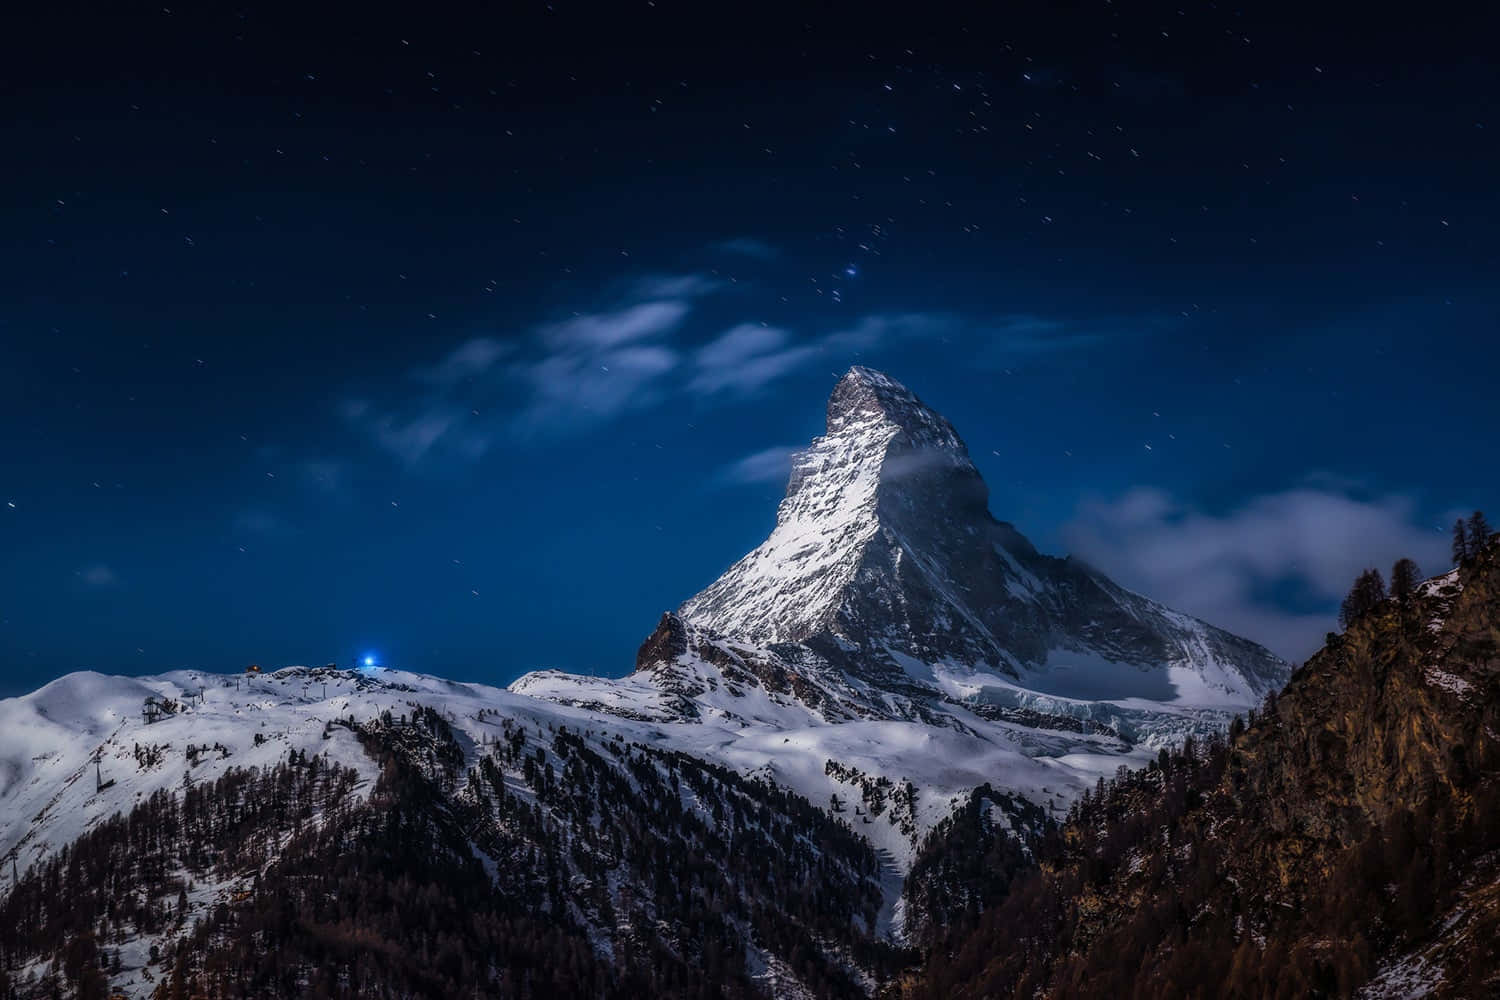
{"type": "Point", "coordinates": [881, 443]}
{"type": "Point", "coordinates": [878, 432]}
{"type": "Point", "coordinates": [885, 547]}
{"type": "Point", "coordinates": [861, 387]}
{"type": "Point", "coordinates": [865, 396]}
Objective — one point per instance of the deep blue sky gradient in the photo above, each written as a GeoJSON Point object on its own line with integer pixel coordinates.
{"type": "Point", "coordinates": [232, 243]}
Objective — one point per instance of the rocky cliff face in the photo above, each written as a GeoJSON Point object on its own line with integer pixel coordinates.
{"type": "Point", "coordinates": [885, 551]}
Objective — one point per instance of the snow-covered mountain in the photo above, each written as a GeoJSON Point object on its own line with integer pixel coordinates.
{"type": "Point", "coordinates": [282, 829]}
{"type": "Point", "coordinates": [889, 648]}
{"type": "Point", "coordinates": [887, 590]}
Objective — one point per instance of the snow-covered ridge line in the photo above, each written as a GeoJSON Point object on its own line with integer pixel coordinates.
{"type": "Point", "coordinates": [165, 733]}
{"type": "Point", "coordinates": [49, 739]}
{"type": "Point", "coordinates": [88, 745]}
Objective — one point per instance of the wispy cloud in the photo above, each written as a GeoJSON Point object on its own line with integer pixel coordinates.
{"type": "Point", "coordinates": [604, 330]}
{"type": "Point", "coordinates": [411, 437]}
{"type": "Point", "coordinates": [470, 359]}
{"type": "Point", "coordinates": [675, 286]}
{"type": "Point", "coordinates": [560, 375]}
{"type": "Point", "coordinates": [770, 465]}
{"type": "Point", "coordinates": [575, 388]}
{"type": "Point", "coordinates": [746, 357]}
{"type": "Point", "coordinates": [598, 365]}
{"type": "Point", "coordinates": [1007, 340]}
{"type": "Point", "coordinates": [1222, 568]}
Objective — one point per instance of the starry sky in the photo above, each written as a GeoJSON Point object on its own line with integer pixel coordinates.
{"type": "Point", "coordinates": [473, 342]}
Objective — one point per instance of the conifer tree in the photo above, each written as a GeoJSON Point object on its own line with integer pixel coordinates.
{"type": "Point", "coordinates": [1349, 609]}
{"type": "Point", "coordinates": [1404, 579]}
{"type": "Point", "coordinates": [1479, 533]}
{"type": "Point", "coordinates": [1460, 542]}
{"type": "Point", "coordinates": [1368, 591]}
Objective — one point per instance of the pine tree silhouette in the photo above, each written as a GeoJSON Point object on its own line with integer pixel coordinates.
{"type": "Point", "coordinates": [1479, 533]}
{"type": "Point", "coordinates": [1366, 594]}
{"type": "Point", "coordinates": [1460, 542]}
{"type": "Point", "coordinates": [1404, 579]}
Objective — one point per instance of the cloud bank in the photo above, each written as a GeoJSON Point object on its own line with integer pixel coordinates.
{"type": "Point", "coordinates": [1235, 570]}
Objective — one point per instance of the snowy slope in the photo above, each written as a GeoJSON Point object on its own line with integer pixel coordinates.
{"type": "Point", "coordinates": [788, 587]}
{"type": "Point", "coordinates": [755, 712]}
{"type": "Point", "coordinates": [49, 739]}
{"type": "Point", "coordinates": [53, 791]}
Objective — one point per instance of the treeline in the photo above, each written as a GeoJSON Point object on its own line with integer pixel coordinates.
{"type": "Point", "coordinates": [1470, 537]}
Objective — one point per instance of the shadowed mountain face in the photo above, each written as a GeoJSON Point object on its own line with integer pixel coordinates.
{"type": "Point", "coordinates": [885, 550]}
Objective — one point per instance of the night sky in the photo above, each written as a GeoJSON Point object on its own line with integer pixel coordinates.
{"type": "Point", "coordinates": [474, 343]}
